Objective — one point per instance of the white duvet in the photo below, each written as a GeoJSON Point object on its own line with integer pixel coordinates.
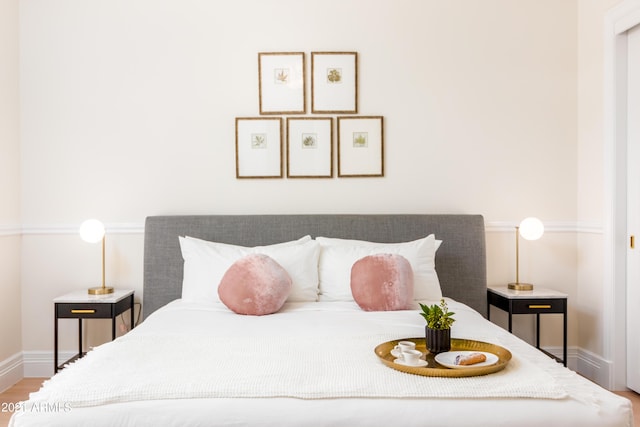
{"type": "Point", "coordinates": [312, 364]}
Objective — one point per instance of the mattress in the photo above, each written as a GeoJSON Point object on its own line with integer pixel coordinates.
{"type": "Point", "coordinates": [313, 364]}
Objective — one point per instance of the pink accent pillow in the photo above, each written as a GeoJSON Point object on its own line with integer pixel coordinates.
{"type": "Point", "coordinates": [382, 282]}
{"type": "Point", "coordinates": [255, 284]}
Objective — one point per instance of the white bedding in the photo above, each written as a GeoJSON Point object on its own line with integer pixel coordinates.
{"type": "Point", "coordinates": [168, 375]}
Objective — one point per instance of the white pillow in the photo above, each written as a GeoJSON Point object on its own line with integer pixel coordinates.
{"type": "Point", "coordinates": [350, 242]}
{"type": "Point", "coordinates": [206, 262]}
{"type": "Point", "coordinates": [337, 256]}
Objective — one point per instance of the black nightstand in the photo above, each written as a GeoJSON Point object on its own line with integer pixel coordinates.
{"type": "Point", "coordinates": [80, 305]}
{"type": "Point", "coordinates": [538, 301]}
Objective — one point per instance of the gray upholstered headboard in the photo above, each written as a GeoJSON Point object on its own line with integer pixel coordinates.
{"type": "Point", "coordinates": [460, 261]}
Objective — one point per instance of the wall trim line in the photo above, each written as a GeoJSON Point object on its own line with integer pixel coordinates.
{"type": "Point", "coordinates": [549, 227]}
{"type": "Point", "coordinates": [138, 228]}
{"type": "Point", "coordinates": [10, 230]}
{"type": "Point", "coordinates": [112, 228]}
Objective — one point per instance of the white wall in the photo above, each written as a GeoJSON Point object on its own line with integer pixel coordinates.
{"type": "Point", "coordinates": [588, 303]}
{"type": "Point", "coordinates": [9, 118]}
{"type": "Point", "coordinates": [129, 106]}
{"type": "Point", "coordinates": [10, 314]}
{"type": "Point", "coordinates": [10, 317]}
{"type": "Point", "coordinates": [128, 110]}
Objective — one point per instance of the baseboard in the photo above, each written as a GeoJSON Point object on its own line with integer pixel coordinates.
{"type": "Point", "coordinates": [28, 364]}
{"type": "Point", "coordinates": [11, 371]}
{"type": "Point", "coordinates": [572, 355]}
{"type": "Point", "coordinates": [587, 364]}
{"type": "Point", "coordinates": [595, 368]}
{"type": "Point", "coordinates": [39, 364]}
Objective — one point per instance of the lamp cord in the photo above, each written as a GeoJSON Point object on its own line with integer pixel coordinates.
{"type": "Point", "coordinates": [137, 318]}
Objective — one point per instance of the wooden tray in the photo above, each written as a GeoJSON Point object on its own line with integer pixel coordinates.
{"type": "Point", "coordinates": [434, 369]}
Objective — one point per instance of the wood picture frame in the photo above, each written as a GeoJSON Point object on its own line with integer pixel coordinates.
{"type": "Point", "coordinates": [334, 82]}
{"type": "Point", "coordinates": [258, 147]}
{"type": "Point", "coordinates": [282, 83]}
{"type": "Point", "coordinates": [360, 146]}
{"type": "Point", "coordinates": [309, 147]}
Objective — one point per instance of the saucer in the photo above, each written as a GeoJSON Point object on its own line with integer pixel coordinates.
{"type": "Point", "coordinates": [419, 364]}
{"type": "Point", "coordinates": [397, 353]}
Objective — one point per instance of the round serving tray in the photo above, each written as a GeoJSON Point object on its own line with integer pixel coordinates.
{"type": "Point", "coordinates": [434, 369]}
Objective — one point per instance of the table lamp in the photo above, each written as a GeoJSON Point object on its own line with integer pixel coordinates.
{"type": "Point", "coordinates": [92, 231]}
{"type": "Point", "coordinates": [530, 229]}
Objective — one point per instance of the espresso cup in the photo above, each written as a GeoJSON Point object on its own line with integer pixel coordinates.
{"type": "Point", "coordinates": [411, 357]}
{"type": "Point", "coordinates": [404, 346]}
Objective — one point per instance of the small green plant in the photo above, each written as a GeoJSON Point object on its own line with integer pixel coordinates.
{"type": "Point", "coordinates": [437, 316]}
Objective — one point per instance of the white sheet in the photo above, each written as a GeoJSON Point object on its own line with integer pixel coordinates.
{"type": "Point", "coordinates": [588, 405]}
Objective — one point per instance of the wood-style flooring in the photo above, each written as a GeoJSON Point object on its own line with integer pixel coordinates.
{"type": "Point", "coordinates": [21, 391]}
{"type": "Point", "coordinates": [15, 394]}
{"type": "Point", "coordinates": [635, 402]}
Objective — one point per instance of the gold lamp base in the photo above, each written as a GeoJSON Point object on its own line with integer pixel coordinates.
{"type": "Point", "coordinates": [101, 290]}
{"type": "Point", "coordinates": [521, 286]}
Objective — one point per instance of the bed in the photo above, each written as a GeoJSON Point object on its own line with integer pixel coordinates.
{"type": "Point", "coordinates": [194, 361]}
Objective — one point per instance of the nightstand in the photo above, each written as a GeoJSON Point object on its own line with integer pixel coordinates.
{"type": "Point", "coordinates": [538, 301]}
{"type": "Point", "coordinates": [80, 305]}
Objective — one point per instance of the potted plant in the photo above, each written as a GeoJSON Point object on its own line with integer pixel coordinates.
{"type": "Point", "coordinates": [438, 329]}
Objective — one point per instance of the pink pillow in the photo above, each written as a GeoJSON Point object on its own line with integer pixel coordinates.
{"type": "Point", "coordinates": [255, 284]}
{"type": "Point", "coordinates": [382, 282]}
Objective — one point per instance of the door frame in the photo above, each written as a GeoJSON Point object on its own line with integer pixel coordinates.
{"type": "Point", "coordinates": [617, 21]}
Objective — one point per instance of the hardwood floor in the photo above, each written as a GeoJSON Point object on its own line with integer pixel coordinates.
{"type": "Point", "coordinates": [17, 393]}
{"type": "Point", "coordinates": [635, 401]}
{"type": "Point", "coordinates": [21, 391]}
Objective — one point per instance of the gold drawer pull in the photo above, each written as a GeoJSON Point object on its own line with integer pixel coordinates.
{"type": "Point", "coordinates": [539, 306]}
{"type": "Point", "coordinates": [83, 311]}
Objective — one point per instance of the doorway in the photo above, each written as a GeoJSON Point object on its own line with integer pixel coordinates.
{"type": "Point", "coordinates": [633, 208]}
{"type": "Point", "coordinates": [621, 346]}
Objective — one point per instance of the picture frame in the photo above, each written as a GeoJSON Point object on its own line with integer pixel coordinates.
{"type": "Point", "coordinates": [258, 147]}
{"type": "Point", "coordinates": [334, 82]}
{"type": "Point", "coordinates": [360, 146]}
{"type": "Point", "coordinates": [309, 147]}
{"type": "Point", "coordinates": [282, 82]}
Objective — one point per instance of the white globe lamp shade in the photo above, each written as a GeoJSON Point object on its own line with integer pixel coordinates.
{"type": "Point", "coordinates": [92, 231]}
{"type": "Point", "coordinates": [531, 228]}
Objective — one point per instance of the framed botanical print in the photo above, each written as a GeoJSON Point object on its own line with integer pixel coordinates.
{"type": "Point", "coordinates": [281, 82]}
{"type": "Point", "coordinates": [334, 82]}
{"type": "Point", "coordinates": [258, 147]}
{"type": "Point", "coordinates": [309, 147]}
{"type": "Point", "coordinates": [360, 146]}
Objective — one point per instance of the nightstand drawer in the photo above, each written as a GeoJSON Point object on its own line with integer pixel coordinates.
{"type": "Point", "coordinates": [538, 305]}
{"type": "Point", "coordinates": [83, 311]}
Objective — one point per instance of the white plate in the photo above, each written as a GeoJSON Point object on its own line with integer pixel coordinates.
{"type": "Point", "coordinates": [448, 359]}
{"type": "Point", "coordinates": [420, 363]}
